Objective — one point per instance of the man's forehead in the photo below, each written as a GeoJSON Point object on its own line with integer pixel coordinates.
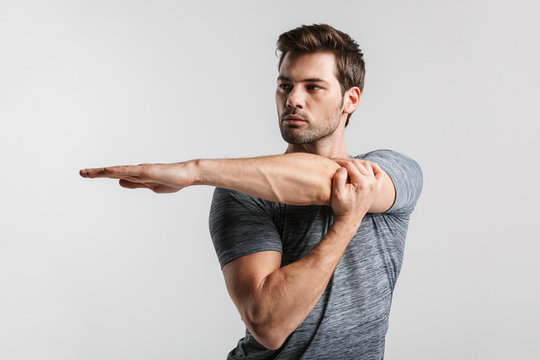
{"type": "Point", "coordinates": [308, 67]}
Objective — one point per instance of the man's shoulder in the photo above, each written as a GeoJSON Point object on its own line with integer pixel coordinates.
{"type": "Point", "coordinates": [406, 175]}
{"type": "Point", "coordinates": [391, 158]}
{"type": "Point", "coordinates": [382, 153]}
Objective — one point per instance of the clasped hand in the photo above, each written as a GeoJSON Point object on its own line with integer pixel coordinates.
{"type": "Point", "coordinates": [355, 187]}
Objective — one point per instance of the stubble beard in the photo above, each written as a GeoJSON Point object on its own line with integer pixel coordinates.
{"type": "Point", "coordinates": [309, 133]}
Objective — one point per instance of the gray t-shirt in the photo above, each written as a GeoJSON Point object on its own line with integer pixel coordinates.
{"type": "Point", "coordinates": [350, 319]}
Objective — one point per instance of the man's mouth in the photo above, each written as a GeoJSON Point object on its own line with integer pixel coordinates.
{"type": "Point", "coordinates": [294, 119]}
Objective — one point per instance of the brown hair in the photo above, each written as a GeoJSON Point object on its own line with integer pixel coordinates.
{"type": "Point", "coordinates": [350, 64]}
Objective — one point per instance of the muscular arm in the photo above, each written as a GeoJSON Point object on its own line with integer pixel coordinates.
{"type": "Point", "coordinates": [295, 178]}
{"type": "Point", "coordinates": [274, 301]}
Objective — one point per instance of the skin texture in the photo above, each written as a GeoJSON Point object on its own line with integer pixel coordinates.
{"type": "Point", "coordinates": [312, 112]}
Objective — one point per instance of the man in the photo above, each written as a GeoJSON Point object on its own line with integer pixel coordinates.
{"type": "Point", "coordinates": [310, 242]}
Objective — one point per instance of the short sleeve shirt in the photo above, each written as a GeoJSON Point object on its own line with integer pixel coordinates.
{"type": "Point", "coordinates": [350, 319]}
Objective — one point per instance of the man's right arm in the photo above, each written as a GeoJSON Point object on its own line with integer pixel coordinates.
{"type": "Point", "coordinates": [294, 179]}
{"type": "Point", "coordinates": [274, 301]}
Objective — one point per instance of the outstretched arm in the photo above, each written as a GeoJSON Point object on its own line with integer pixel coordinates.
{"type": "Point", "coordinates": [295, 178]}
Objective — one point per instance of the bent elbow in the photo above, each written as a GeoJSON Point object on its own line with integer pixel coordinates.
{"type": "Point", "coordinates": [268, 336]}
{"type": "Point", "coordinates": [320, 194]}
{"type": "Point", "coordinates": [267, 332]}
{"type": "Point", "coordinates": [325, 195]}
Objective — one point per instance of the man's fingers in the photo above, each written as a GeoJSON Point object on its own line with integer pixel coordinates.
{"type": "Point", "coordinates": [351, 169]}
{"type": "Point", "coordinates": [340, 179]}
{"type": "Point", "coordinates": [366, 165]}
{"type": "Point", "coordinates": [89, 173]}
{"type": "Point", "coordinates": [114, 172]}
{"type": "Point", "coordinates": [360, 164]}
{"type": "Point", "coordinates": [95, 172]}
{"type": "Point", "coordinates": [130, 184]}
{"type": "Point", "coordinates": [342, 162]}
{"type": "Point", "coordinates": [356, 162]}
{"type": "Point", "coordinates": [354, 172]}
{"type": "Point", "coordinates": [377, 171]}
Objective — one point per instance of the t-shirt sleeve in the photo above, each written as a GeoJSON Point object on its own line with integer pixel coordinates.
{"type": "Point", "coordinates": [406, 175]}
{"type": "Point", "coordinates": [240, 225]}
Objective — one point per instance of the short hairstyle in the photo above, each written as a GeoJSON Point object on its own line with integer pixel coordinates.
{"type": "Point", "coordinates": [350, 65]}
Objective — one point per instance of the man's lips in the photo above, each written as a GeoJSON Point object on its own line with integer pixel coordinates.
{"type": "Point", "coordinates": [294, 118]}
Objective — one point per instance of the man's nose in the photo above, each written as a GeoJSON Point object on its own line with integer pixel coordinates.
{"type": "Point", "coordinates": [296, 98]}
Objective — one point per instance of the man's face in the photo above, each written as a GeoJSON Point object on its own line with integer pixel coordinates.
{"type": "Point", "coordinates": [308, 97]}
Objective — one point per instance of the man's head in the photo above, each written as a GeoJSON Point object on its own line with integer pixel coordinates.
{"type": "Point", "coordinates": [321, 76]}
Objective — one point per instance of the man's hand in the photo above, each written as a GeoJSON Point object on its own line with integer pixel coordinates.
{"type": "Point", "coordinates": [160, 178]}
{"type": "Point", "coordinates": [354, 188]}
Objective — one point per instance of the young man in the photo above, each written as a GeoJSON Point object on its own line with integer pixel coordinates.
{"type": "Point", "coordinates": [310, 242]}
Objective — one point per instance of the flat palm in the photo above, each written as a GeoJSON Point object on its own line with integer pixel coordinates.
{"type": "Point", "coordinates": [160, 178]}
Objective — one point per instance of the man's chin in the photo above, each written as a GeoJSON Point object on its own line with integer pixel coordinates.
{"type": "Point", "coordinates": [295, 139]}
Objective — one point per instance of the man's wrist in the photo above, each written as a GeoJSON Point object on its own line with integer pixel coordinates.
{"type": "Point", "coordinates": [347, 225]}
{"type": "Point", "coordinates": [196, 168]}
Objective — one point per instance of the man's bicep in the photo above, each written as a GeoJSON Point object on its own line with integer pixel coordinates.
{"type": "Point", "coordinates": [386, 197]}
{"type": "Point", "coordinates": [405, 175]}
{"type": "Point", "coordinates": [244, 275]}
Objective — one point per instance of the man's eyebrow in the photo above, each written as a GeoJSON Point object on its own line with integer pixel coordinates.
{"type": "Point", "coordinates": [284, 78]}
{"type": "Point", "coordinates": [315, 80]}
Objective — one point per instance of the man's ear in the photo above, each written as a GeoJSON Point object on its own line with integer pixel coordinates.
{"type": "Point", "coordinates": [351, 100]}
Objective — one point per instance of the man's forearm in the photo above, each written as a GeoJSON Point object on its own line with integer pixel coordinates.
{"type": "Point", "coordinates": [286, 297]}
{"type": "Point", "coordinates": [295, 178]}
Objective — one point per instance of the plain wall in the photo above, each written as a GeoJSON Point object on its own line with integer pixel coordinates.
{"type": "Point", "coordinates": [90, 270]}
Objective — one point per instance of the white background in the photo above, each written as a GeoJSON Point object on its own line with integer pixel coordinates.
{"type": "Point", "coordinates": [89, 270]}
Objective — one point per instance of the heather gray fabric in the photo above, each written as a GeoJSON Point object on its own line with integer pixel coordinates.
{"type": "Point", "coordinates": [350, 319]}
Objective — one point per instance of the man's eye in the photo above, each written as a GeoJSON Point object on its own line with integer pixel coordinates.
{"type": "Point", "coordinates": [285, 86]}
{"type": "Point", "coordinates": [313, 87]}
